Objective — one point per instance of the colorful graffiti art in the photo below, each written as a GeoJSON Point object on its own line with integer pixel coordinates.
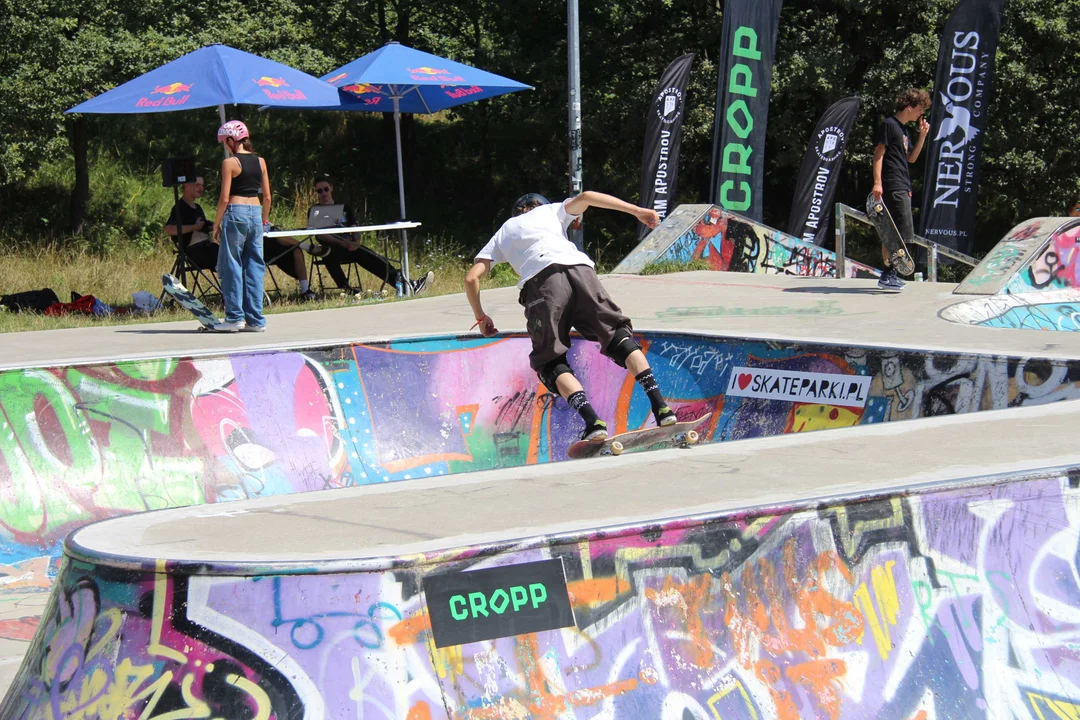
{"type": "Point", "coordinates": [950, 602]}
{"type": "Point", "coordinates": [1007, 260]}
{"type": "Point", "coordinates": [1049, 310]}
{"type": "Point", "coordinates": [1057, 267]}
{"type": "Point", "coordinates": [81, 444]}
{"type": "Point", "coordinates": [732, 243]}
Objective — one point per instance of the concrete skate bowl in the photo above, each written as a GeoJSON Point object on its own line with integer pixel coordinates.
{"type": "Point", "coordinates": [85, 443]}
{"type": "Point", "coordinates": [942, 601]}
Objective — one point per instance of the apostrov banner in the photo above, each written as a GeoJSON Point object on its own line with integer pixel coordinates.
{"type": "Point", "coordinates": [663, 136]}
{"type": "Point", "coordinates": [747, 43]}
{"type": "Point", "coordinates": [811, 206]}
{"type": "Point", "coordinates": [963, 90]}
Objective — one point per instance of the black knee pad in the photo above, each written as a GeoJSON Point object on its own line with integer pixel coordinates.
{"type": "Point", "coordinates": [550, 372]}
{"type": "Point", "coordinates": [621, 346]}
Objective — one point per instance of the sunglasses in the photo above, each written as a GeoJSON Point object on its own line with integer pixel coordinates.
{"type": "Point", "coordinates": [322, 190]}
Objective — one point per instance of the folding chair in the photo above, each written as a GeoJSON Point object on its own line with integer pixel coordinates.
{"type": "Point", "coordinates": [352, 274]}
{"type": "Point", "coordinates": [183, 266]}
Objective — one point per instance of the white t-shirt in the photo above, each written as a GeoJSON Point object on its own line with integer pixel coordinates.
{"type": "Point", "coordinates": [535, 240]}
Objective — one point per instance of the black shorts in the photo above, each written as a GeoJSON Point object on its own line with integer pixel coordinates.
{"type": "Point", "coordinates": [562, 297]}
{"type": "Point", "coordinates": [899, 204]}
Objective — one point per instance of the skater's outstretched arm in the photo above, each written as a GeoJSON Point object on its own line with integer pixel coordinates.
{"type": "Point", "coordinates": [472, 291]}
{"type": "Point", "coordinates": [591, 198]}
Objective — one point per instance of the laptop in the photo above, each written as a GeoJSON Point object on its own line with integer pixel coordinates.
{"type": "Point", "coordinates": [325, 216]}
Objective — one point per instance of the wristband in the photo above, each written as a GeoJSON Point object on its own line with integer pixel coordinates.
{"type": "Point", "coordinates": [479, 321]}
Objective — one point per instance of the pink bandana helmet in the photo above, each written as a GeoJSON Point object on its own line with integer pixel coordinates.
{"type": "Point", "coordinates": [233, 129]}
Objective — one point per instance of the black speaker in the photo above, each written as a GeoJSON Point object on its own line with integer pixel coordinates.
{"type": "Point", "coordinates": [177, 171]}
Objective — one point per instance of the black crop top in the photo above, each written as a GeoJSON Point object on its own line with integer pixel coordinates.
{"type": "Point", "coordinates": [249, 182]}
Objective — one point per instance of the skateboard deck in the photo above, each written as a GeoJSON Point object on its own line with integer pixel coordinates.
{"type": "Point", "coordinates": [182, 295]}
{"type": "Point", "coordinates": [883, 222]}
{"type": "Point", "coordinates": [681, 434]}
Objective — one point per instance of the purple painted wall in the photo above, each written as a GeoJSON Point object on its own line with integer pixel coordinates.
{"type": "Point", "coordinates": [959, 602]}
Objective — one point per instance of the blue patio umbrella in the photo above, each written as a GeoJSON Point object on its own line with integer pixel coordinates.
{"type": "Point", "coordinates": [214, 75]}
{"type": "Point", "coordinates": [401, 79]}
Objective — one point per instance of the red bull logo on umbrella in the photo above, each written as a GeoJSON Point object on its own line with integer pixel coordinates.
{"type": "Point", "coordinates": [272, 88]}
{"type": "Point", "coordinates": [433, 75]}
{"type": "Point", "coordinates": [175, 93]}
{"type": "Point", "coordinates": [460, 92]}
{"type": "Point", "coordinates": [362, 88]}
{"type": "Point", "coordinates": [271, 82]}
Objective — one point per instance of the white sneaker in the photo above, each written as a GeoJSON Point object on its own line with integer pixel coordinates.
{"type": "Point", "coordinates": [253, 328]}
{"type": "Point", "coordinates": [230, 327]}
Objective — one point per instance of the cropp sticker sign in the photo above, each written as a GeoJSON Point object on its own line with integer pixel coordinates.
{"type": "Point", "coordinates": [497, 602]}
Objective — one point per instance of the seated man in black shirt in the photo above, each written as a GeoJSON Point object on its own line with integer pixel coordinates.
{"type": "Point", "coordinates": [343, 249]}
{"type": "Point", "coordinates": [195, 229]}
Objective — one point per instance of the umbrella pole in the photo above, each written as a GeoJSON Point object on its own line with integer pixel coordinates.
{"type": "Point", "coordinates": [221, 115]}
{"type": "Point", "coordinates": [401, 198]}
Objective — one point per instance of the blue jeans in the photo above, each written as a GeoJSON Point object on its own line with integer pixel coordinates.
{"type": "Point", "coordinates": [240, 264]}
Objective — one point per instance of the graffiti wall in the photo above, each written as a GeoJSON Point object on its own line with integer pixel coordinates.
{"type": "Point", "coordinates": [1045, 310]}
{"type": "Point", "coordinates": [958, 602]}
{"type": "Point", "coordinates": [732, 243]}
{"type": "Point", "coordinates": [1026, 247]}
{"type": "Point", "coordinates": [80, 444]}
{"type": "Point", "coordinates": [1055, 267]}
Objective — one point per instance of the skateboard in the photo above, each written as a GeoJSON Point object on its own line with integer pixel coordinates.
{"type": "Point", "coordinates": [681, 434]}
{"type": "Point", "coordinates": [182, 295]}
{"type": "Point", "coordinates": [899, 257]}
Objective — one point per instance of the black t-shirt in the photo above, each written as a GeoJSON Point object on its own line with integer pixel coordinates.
{"type": "Point", "coordinates": [187, 216]}
{"type": "Point", "coordinates": [897, 141]}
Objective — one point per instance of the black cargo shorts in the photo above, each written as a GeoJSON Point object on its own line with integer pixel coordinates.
{"type": "Point", "coordinates": [562, 297]}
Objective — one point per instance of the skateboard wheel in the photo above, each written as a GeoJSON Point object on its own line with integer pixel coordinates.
{"type": "Point", "coordinates": [691, 437]}
{"type": "Point", "coordinates": [616, 448]}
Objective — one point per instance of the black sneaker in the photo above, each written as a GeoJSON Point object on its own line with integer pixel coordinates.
{"type": "Point", "coordinates": [596, 431]}
{"type": "Point", "coordinates": [665, 416]}
{"type": "Point", "coordinates": [419, 286]}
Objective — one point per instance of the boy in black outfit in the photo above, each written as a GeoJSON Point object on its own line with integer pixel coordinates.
{"type": "Point", "coordinates": [893, 152]}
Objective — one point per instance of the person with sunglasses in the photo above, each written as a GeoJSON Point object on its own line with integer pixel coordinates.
{"type": "Point", "coordinates": [345, 249]}
{"type": "Point", "coordinates": [241, 219]}
{"type": "Point", "coordinates": [893, 152]}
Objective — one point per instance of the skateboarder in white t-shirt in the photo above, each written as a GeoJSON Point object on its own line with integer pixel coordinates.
{"type": "Point", "coordinates": [560, 291]}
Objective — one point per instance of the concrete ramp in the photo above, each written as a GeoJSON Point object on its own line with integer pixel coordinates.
{"type": "Point", "coordinates": [757, 581]}
{"type": "Point", "coordinates": [1038, 255]}
{"type": "Point", "coordinates": [732, 243]}
{"type": "Point", "coordinates": [1029, 281]}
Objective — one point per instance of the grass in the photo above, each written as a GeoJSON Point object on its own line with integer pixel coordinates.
{"type": "Point", "coordinates": [663, 267]}
{"type": "Point", "coordinates": [113, 277]}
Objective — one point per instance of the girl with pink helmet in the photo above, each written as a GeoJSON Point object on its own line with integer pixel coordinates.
{"type": "Point", "coordinates": [241, 219]}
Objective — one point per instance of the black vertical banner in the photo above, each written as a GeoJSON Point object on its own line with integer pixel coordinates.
{"type": "Point", "coordinates": [811, 206]}
{"type": "Point", "coordinates": [663, 135]}
{"type": "Point", "coordinates": [963, 89]}
{"type": "Point", "coordinates": [742, 104]}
